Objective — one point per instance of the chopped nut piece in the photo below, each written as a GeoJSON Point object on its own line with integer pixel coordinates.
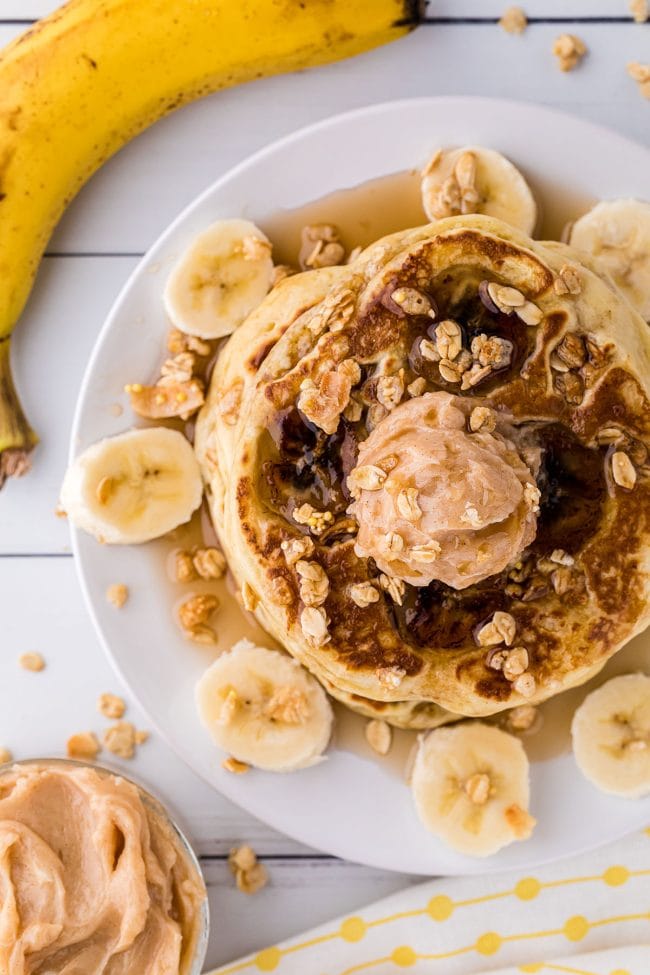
{"type": "Point", "coordinates": [178, 342]}
{"type": "Point", "coordinates": [210, 563]}
{"type": "Point", "coordinates": [117, 594]}
{"type": "Point", "coordinates": [523, 717]}
{"type": "Point", "coordinates": [390, 390]}
{"type": "Point", "coordinates": [394, 587]}
{"type": "Point", "coordinates": [514, 20]}
{"type": "Point", "coordinates": [363, 594]}
{"type": "Point", "coordinates": [32, 661]}
{"type": "Point", "coordinates": [250, 881]}
{"type": "Point", "coordinates": [560, 557]}
{"type": "Point", "coordinates": [569, 50]}
{"type": "Point", "coordinates": [390, 677]}
{"type": "Point", "coordinates": [623, 470]}
{"type": "Point", "coordinates": [413, 302]}
{"type": "Point", "coordinates": [501, 629]}
{"type": "Point", "coordinates": [120, 739]}
{"type": "Point", "coordinates": [407, 504]}
{"type": "Point", "coordinates": [324, 403]}
{"type": "Point", "coordinates": [5, 756]}
{"type": "Point", "coordinates": [314, 584]}
{"type": "Point", "coordinates": [313, 621]}
{"type": "Point", "coordinates": [379, 736]}
{"type": "Point", "coordinates": [477, 788]}
{"type": "Point", "coordinates": [184, 567]}
{"type": "Point", "coordinates": [320, 246]}
{"type": "Point", "coordinates": [197, 610]}
{"type": "Point", "coordinates": [203, 634]}
{"type": "Point", "coordinates": [449, 339]}
{"type": "Point", "coordinates": [111, 706]}
{"type": "Point", "coordinates": [297, 548]}
{"type": "Point", "coordinates": [561, 580]}
{"type": "Point", "coordinates": [287, 705]}
{"type": "Point", "coordinates": [525, 685]}
{"type": "Point", "coordinates": [426, 553]}
{"type": "Point", "coordinates": [496, 657]}
{"type": "Point", "coordinates": [492, 351]}
{"type": "Point", "coordinates": [241, 858]}
{"type": "Point", "coordinates": [515, 663]}
{"type": "Point", "coordinates": [639, 10]}
{"type": "Point", "coordinates": [366, 478]}
{"type": "Point", "coordinates": [83, 745]}
{"type": "Point", "coordinates": [417, 387]}
{"type": "Point", "coordinates": [520, 822]}
{"type": "Point", "coordinates": [482, 418]}
{"type": "Point", "coordinates": [232, 765]}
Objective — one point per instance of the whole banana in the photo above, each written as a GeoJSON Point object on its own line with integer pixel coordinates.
{"type": "Point", "coordinates": [82, 82]}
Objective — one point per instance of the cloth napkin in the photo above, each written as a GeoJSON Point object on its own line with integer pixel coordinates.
{"type": "Point", "coordinates": [589, 915]}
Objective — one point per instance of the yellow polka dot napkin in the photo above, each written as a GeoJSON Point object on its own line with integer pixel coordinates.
{"type": "Point", "coordinates": [557, 918]}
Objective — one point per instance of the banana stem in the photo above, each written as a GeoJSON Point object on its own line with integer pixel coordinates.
{"type": "Point", "coordinates": [17, 439]}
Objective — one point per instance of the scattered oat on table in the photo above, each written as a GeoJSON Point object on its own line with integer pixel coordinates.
{"type": "Point", "coordinates": [120, 739]}
{"type": "Point", "coordinates": [379, 736]}
{"type": "Point", "coordinates": [249, 874]}
{"type": "Point", "coordinates": [233, 765]}
{"type": "Point", "coordinates": [184, 567]}
{"type": "Point", "coordinates": [111, 706]}
{"type": "Point", "coordinates": [641, 74]}
{"type": "Point", "coordinates": [141, 737]}
{"type": "Point", "coordinates": [117, 594]}
{"type": "Point", "coordinates": [569, 50]}
{"type": "Point", "coordinates": [31, 661]}
{"type": "Point", "coordinates": [514, 20]}
{"type": "Point", "coordinates": [83, 745]}
{"type": "Point", "coordinates": [640, 10]}
{"type": "Point", "coordinates": [5, 756]}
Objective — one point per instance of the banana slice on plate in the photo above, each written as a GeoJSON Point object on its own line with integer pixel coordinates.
{"type": "Point", "coordinates": [617, 235]}
{"type": "Point", "coordinates": [133, 487]}
{"type": "Point", "coordinates": [264, 709]}
{"type": "Point", "coordinates": [471, 787]}
{"type": "Point", "coordinates": [611, 736]}
{"type": "Point", "coordinates": [222, 276]}
{"type": "Point", "coordinates": [477, 180]}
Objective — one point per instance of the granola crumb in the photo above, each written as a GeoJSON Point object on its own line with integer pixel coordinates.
{"type": "Point", "coordinates": [523, 718]}
{"type": "Point", "coordinates": [569, 50]}
{"type": "Point", "coordinates": [184, 567]}
{"type": "Point", "coordinates": [197, 610]}
{"type": "Point", "coordinates": [210, 563]}
{"type": "Point", "coordinates": [32, 661]}
{"type": "Point", "coordinates": [639, 10]}
{"type": "Point", "coordinates": [120, 739]}
{"type": "Point", "coordinates": [117, 595]}
{"type": "Point", "coordinates": [641, 74]}
{"type": "Point", "coordinates": [83, 745]}
{"type": "Point", "coordinates": [250, 875]}
{"type": "Point", "coordinates": [141, 737]}
{"type": "Point", "coordinates": [5, 756]}
{"type": "Point", "coordinates": [379, 736]}
{"type": "Point", "coordinates": [514, 20]}
{"type": "Point", "coordinates": [111, 706]}
{"type": "Point", "coordinates": [233, 765]}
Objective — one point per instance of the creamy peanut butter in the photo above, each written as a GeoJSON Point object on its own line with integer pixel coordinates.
{"type": "Point", "coordinates": [93, 881]}
{"type": "Point", "coordinates": [439, 500]}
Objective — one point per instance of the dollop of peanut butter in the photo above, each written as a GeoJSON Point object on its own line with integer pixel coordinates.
{"type": "Point", "coordinates": [92, 877]}
{"type": "Point", "coordinates": [444, 490]}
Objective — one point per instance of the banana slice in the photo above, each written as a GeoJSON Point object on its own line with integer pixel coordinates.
{"type": "Point", "coordinates": [471, 787]}
{"type": "Point", "coordinates": [264, 709]}
{"type": "Point", "coordinates": [133, 487]}
{"type": "Point", "coordinates": [220, 279]}
{"type": "Point", "coordinates": [611, 736]}
{"type": "Point", "coordinates": [617, 235]}
{"type": "Point", "coordinates": [477, 180]}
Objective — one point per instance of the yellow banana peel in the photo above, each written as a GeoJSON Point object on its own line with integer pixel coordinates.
{"type": "Point", "coordinates": [82, 82]}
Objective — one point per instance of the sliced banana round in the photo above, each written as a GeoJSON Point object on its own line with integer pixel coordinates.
{"type": "Point", "coordinates": [264, 709]}
{"type": "Point", "coordinates": [133, 487]}
{"type": "Point", "coordinates": [470, 784]}
{"type": "Point", "coordinates": [617, 235]}
{"type": "Point", "coordinates": [477, 180]}
{"type": "Point", "coordinates": [222, 276]}
{"type": "Point", "coordinates": [611, 736]}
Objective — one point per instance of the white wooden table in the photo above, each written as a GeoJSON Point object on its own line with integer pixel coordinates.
{"type": "Point", "coordinates": [114, 219]}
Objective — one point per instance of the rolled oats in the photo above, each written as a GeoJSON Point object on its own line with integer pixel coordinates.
{"type": "Point", "coordinates": [501, 629]}
{"type": "Point", "coordinates": [561, 580]}
{"type": "Point", "coordinates": [111, 706]}
{"type": "Point", "coordinates": [210, 563]}
{"type": "Point", "coordinates": [407, 504]}
{"type": "Point", "coordinates": [321, 246]}
{"type": "Point", "coordinates": [449, 371]}
{"type": "Point", "coordinates": [32, 661]}
{"type": "Point", "coordinates": [504, 297]}
{"type": "Point", "coordinates": [83, 745]}
{"type": "Point", "coordinates": [523, 718]}
{"type": "Point", "coordinates": [513, 20]}
{"type": "Point", "coordinates": [623, 470]}
{"type": "Point", "coordinates": [379, 736]}
{"type": "Point", "coordinates": [530, 314]}
{"type": "Point", "coordinates": [390, 390]}
{"type": "Point", "coordinates": [572, 350]}
{"type": "Point", "coordinates": [449, 339]}
{"type": "Point", "coordinates": [368, 477]}
{"type": "Point", "coordinates": [363, 594]}
{"type": "Point", "coordinates": [178, 369]}
{"type": "Point", "coordinates": [482, 418]}
{"type": "Point", "coordinates": [427, 553]}
{"type": "Point", "coordinates": [567, 281]}
{"type": "Point", "coordinates": [314, 584]}
{"type": "Point", "coordinates": [288, 705]}
{"type": "Point", "coordinates": [250, 875]}
{"type": "Point", "coordinates": [477, 788]}
{"type": "Point", "coordinates": [390, 677]}
{"type": "Point", "coordinates": [429, 351]}
{"type": "Point", "coordinates": [120, 739]}
{"type": "Point", "coordinates": [297, 548]}
{"type": "Point", "coordinates": [314, 622]}
{"type": "Point", "coordinates": [569, 50]}
{"type": "Point", "coordinates": [475, 375]}
{"type": "Point", "coordinates": [417, 387]}
{"type": "Point", "coordinates": [184, 567]}
{"type": "Point", "coordinates": [231, 764]}
{"type": "Point", "coordinates": [560, 557]}
{"type": "Point", "coordinates": [413, 302]}
{"type": "Point", "coordinates": [392, 543]}
{"type": "Point", "coordinates": [394, 587]}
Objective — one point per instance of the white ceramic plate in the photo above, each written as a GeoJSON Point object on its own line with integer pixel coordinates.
{"type": "Point", "coordinates": [352, 806]}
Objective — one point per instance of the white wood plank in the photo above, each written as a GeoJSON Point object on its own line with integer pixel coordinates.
{"type": "Point", "coordinates": [42, 610]}
{"type": "Point", "coordinates": [300, 895]}
{"type": "Point", "coordinates": [164, 168]}
{"type": "Point", "coordinates": [50, 351]}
